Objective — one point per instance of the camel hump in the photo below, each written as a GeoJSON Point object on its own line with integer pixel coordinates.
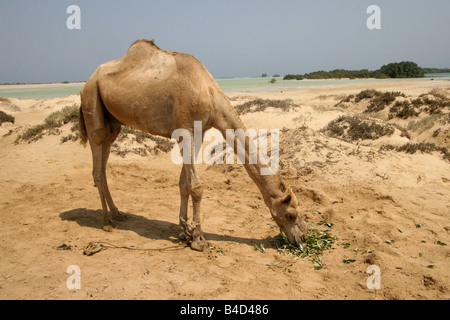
{"type": "Point", "coordinates": [142, 46]}
{"type": "Point", "coordinates": [141, 49]}
{"type": "Point", "coordinates": [142, 55]}
{"type": "Point", "coordinates": [147, 41]}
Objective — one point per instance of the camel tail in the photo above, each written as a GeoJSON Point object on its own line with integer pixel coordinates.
{"type": "Point", "coordinates": [82, 128]}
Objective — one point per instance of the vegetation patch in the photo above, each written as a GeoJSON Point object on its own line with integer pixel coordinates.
{"type": "Point", "coordinates": [423, 147]}
{"type": "Point", "coordinates": [4, 117]}
{"type": "Point", "coordinates": [262, 104]}
{"type": "Point", "coordinates": [6, 104]}
{"type": "Point", "coordinates": [147, 142]}
{"type": "Point", "coordinates": [52, 124]}
{"type": "Point", "coordinates": [316, 242]}
{"type": "Point", "coordinates": [353, 128]}
{"type": "Point", "coordinates": [435, 102]}
{"type": "Point", "coordinates": [432, 103]}
{"type": "Point", "coordinates": [402, 110]}
{"type": "Point", "coordinates": [424, 124]}
{"type": "Point", "coordinates": [404, 69]}
{"type": "Point", "coordinates": [381, 100]}
{"type": "Point", "coordinates": [377, 100]}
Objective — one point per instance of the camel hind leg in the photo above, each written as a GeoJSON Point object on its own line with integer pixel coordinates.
{"type": "Point", "coordinates": [100, 183]}
{"type": "Point", "coordinates": [101, 129]}
{"type": "Point", "coordinates": [100, 154]}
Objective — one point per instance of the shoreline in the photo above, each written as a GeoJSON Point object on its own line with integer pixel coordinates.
{"type": "Point", "coordinates": [40, 85]}
{"type": "Point", "coordinates": [57, 84]}
{"type": "Point", "coordinates": [230, 86]}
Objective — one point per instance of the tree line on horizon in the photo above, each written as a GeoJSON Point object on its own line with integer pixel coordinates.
{"type": "Point", "coordinates": [404, 69]}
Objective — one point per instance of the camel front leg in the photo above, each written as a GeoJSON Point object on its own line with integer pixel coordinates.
{"type": "Point", "coordinates": [190, 185]}
{"type": "Point", "coordinates": [199, 242]}
{"type": "Point", "coordinates": [184, 193]}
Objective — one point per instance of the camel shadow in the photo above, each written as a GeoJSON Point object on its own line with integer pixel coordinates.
{"type": "Point", "coordinates": [149, 228]}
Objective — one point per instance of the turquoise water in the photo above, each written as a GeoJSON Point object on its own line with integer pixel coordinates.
{"type": "Point", "coordinates": [264, 84]}
{"type": "Point", "coordinates": [227, 85]}
{"type": "Point", "coordinates": [47, 91]}
{"type": "Point", "coordinates": [437, 75]}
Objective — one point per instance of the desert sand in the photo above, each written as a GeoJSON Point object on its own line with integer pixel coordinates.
{"type": "Point", "coordinates": [387, 208]}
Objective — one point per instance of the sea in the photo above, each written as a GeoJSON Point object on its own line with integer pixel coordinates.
{"type": "Point", "coordinates": [228, 85]}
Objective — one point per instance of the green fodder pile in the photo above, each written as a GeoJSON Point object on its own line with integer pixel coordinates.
{"type": "Point", "coordinates": [316, 242]}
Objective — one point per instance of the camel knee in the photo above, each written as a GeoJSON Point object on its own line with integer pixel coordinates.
{"type": "Point", "coordinates": [197, 191]}
{"type": "Point", "coordinates": [98, 136]}
{"type": "Point", "coordinates": [98, 177]}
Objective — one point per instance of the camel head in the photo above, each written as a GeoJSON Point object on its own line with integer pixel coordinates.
{"type": "Point", "coordinates": [285, 210]}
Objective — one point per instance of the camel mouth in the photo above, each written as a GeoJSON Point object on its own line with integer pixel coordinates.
{"type": "Point", "coordinates": [296, 240]}
{"type": "Point", "coordinates": [295, 236]}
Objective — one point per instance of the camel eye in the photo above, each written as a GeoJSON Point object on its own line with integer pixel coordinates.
{"type": "Point", "coordinates": [291, 216]}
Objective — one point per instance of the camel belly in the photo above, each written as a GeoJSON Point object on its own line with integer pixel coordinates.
{"type": "Point", "coordinates": [147, 113]}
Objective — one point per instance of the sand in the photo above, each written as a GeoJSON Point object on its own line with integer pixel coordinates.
{"type": "Point", "coordinates": [387, 208]}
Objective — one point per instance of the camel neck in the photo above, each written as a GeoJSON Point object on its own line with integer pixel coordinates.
{"type": "Point", "coordinates": [261, 173]}
{"type": "Point", "coordinates": [229, 120]}
{"type": "Point", "coordinates": [267, 184]}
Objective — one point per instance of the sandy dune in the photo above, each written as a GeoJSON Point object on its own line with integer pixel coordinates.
{"type": "Point", "coordinates": [387, 208]}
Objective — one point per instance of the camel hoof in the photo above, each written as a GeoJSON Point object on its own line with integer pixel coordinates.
{"type": "Point", "coordinates": [120, 216]}
{"type": "Point", "coordinates": [182, 236]}
{"type": "Point", "coordinates": [200, 245]}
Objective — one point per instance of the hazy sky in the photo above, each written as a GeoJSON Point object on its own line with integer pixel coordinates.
{"type": "Point", "coordinates": [233, 38]}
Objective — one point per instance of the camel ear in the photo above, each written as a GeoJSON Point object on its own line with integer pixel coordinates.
{"type": "Point", "coordinates": [287, 199]}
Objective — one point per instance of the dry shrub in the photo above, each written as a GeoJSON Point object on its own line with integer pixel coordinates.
{"type": "Point", "coordinates": [4, 117]}
{"type": "Point", "coordinates": [51, 125]}
{"type": "Point", "coordinates": [353, 128]}
{"type": "Point", "coordinates": [262, 104]}
{"type": "Point", "coordinates": [412, 148]}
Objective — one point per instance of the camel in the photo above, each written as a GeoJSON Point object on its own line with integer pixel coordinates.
{"type": "Point", "coordinates": [159, 91]}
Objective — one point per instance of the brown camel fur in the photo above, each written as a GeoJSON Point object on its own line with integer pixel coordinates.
{"type": "Point", "coordinates": [158, 91]}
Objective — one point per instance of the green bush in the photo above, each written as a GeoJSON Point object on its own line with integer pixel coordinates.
{"type": "Point", "coordinates": [404, 69]}
{"type": "Point", "coordinates": [293, 77]}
